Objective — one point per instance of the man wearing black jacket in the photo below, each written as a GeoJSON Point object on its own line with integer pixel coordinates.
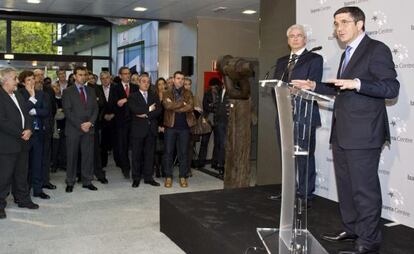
{"type": "Point", "coordinates": [15, 132]}
{"type": "Point", "coordinates": [38, 106]}
{"type": "Point", "coordinates": [145, 109]}
{"type": "Point", "coordinates": [123, 118]}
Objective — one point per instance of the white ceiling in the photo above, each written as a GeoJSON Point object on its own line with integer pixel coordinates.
{"type": "Point", "coordinates": [157, 9]}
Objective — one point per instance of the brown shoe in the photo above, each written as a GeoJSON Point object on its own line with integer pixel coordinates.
{"type": "Point", "coordinates": [183, 182]}
{"type": "Point", "coordinates": [168, 182]}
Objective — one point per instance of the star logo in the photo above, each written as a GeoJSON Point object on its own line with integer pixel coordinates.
{"type": "Point", "coordinates": [379, 18]}
{"type": "Point", "coordinates": [400, 52]}
{"type": "Point", "coordinates": [399, 125]}
{"type": "Point", "coordinates": [396, 197]}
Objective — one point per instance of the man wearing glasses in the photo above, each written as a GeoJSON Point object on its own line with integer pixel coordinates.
{"type": "Point", "coordinates": [302, 64]}
{"type": "Point", "coordinates": [366, 77]}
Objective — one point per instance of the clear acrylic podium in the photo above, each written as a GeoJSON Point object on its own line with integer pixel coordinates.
{"type": "Point", "coordinates": [294, 108]}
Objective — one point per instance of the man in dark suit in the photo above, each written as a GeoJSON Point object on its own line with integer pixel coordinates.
{"type": "Point", "coordinates": [366, 76]}
{"type": "Point", "coordinates": [105, 122]}
{"type": "Point", "coordinates": [221, 115]}
{"type": "Point", "coordinates": [81, 111]}
{"type": "Point", "coordinates": [123, 118]}
{"type": "Point", "coordinates": [39, 75]}
{"type": "Point", "coordinates": [301, 64]}
{"type": "Point", "coordinates": [145, 109]}
{"type": "Point", "coordinates": [38, 106]}
{"type": "Point", "coordinates": [15, 132]}
{"type": "Point", "coordinates": [97, 161]}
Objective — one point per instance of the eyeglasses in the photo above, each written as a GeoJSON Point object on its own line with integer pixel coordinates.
{"type": "Point", "coordinates": [293, 36]}
{"type": "Point", "coordinates": [342, 23]}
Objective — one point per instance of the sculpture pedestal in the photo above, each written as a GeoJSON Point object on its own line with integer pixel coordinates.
{"type": "Point", "coordinates": [238, 139]}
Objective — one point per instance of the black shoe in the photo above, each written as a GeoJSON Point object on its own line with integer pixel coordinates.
{"type": "Point", "coordinates": [41, 195]}
{"type": "Point", "coordinates": [340, 237]}
{"type": "Point", "coordinates": [53, 170]}
{"type": "Point", "coordinates": [29, 205]}
{"type": "Point", "coordinates": [79, 180]}
{"type": "Point", "coordinates": [360, 249]}
{"type": "Point", "coordinates": [90, 187]}
{"type": "Point", "coordinates": [2, 213]}
{"type": "Point", "coordinates": [152, 182]}
{"type": "Point", "coordinates": [103, 180]}
{"type": "Point", "coordinates": [135, 183]}
{"type": "Point", "coordinates": [49, 186]}
{"type": "Point", "coordinates": [69, 188]}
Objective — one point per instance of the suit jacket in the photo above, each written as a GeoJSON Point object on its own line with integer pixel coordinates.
{"type": "Point", "coordinates": [42, 107]}
{"type": "Point", "coordinates": [360, 118]}
{"type": "Point", "coordinates": [122, 114]}
{"type": "Point", "coordinates": [141, 127]}
{"type": "Point", "coordinates": [221, 109]}
{"type": "Point", "coordinates": [50, 97]}
{"type": "Point", "coordinates": [11, 124]}
{"type": "Point", "coordinates": [76, 113]}
{"type": "Point", "coordinates": [105, 106]}
{"type": "Point", "coordinates": [309, 66]}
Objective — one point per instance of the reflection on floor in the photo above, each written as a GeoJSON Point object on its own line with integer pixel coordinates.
{"type": "Point", "coordinates": [115, 219]}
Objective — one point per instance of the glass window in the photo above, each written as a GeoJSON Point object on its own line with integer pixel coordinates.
{"type": "Point", "coordinates": [59, 38]}
{"type": "Point", "coordinates": [3, 35]}
{"type": "Point", "coordinates": [33, 37]}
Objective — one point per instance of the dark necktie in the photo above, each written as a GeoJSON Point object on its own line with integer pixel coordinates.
{"type": "Point", "coordinates": [82, 96]}
{"type": "Point", "coordinates": [291, 65]}
{"type": "Point", "coordinates": [127, 90]}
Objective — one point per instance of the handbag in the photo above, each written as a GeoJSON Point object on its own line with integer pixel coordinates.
{"type": "Point", "coordinates": [201, 127]}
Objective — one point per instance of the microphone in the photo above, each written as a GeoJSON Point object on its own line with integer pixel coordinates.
{"type": "Point", "coordinates": [291, 60]}
{"type": "Point", "coordinates": [297, 58]}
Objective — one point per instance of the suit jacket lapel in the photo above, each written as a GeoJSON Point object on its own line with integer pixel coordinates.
{"type": "Point", "coordinates": [300, 60]}
{"type": "Point", "coordinates": [358, 53]}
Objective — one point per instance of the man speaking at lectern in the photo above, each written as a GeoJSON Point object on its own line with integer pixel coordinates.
{"type": "Point", "coordinates": [302, 64]}
{"type": "Point", "coordinates": [366, 76]}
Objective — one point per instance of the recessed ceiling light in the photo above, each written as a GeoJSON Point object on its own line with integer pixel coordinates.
{"type": "Point", "coordinates": [33, 1]}
{"type": "Point", "coordinates": [140, 9]}
{"type": "Point", "coordinates": [220, 9]}
{"type": "Point", "coordinates": [249, 12]}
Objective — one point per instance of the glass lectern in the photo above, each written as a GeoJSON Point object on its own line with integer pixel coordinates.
{"type": "Point", "coordinates": [294, 111]}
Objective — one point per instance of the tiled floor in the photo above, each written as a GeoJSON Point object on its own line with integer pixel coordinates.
{"type": "Point", "coordinates": [114, 219]}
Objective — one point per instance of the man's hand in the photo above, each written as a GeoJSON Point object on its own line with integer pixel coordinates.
{"type": "Point", "coordinates": [169, 100]}
{"type": "Point", "coordinates": [152, 107]}
{"type": "Point", "coordinates": [85, 127]}
{"type": "Point", "coordinates": [26, 134]}
{"type": "Point", "coordinates": [304, 84]}
{"type": "Point", "coordinates": [198, 109]}
{"type": "Point", "coordinates": [121, 102]}
{"type": "Point", "coordinates": [108, 117]}
{"type": "Point", "coordinates": [344, 84]}
{"type": "Point", "coordinates": [161, 129]}
{"type": "Point", "coordinates": [142, 115]}
{"type": "Point", "coordinates": [31, 90]}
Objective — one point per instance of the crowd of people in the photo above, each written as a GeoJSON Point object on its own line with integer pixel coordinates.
{"type": "Point", "coordinates": [73, 124]}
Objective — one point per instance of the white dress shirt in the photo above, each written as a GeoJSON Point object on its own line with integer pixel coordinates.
{"type": "Point", "coordinates": [13, 97]}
